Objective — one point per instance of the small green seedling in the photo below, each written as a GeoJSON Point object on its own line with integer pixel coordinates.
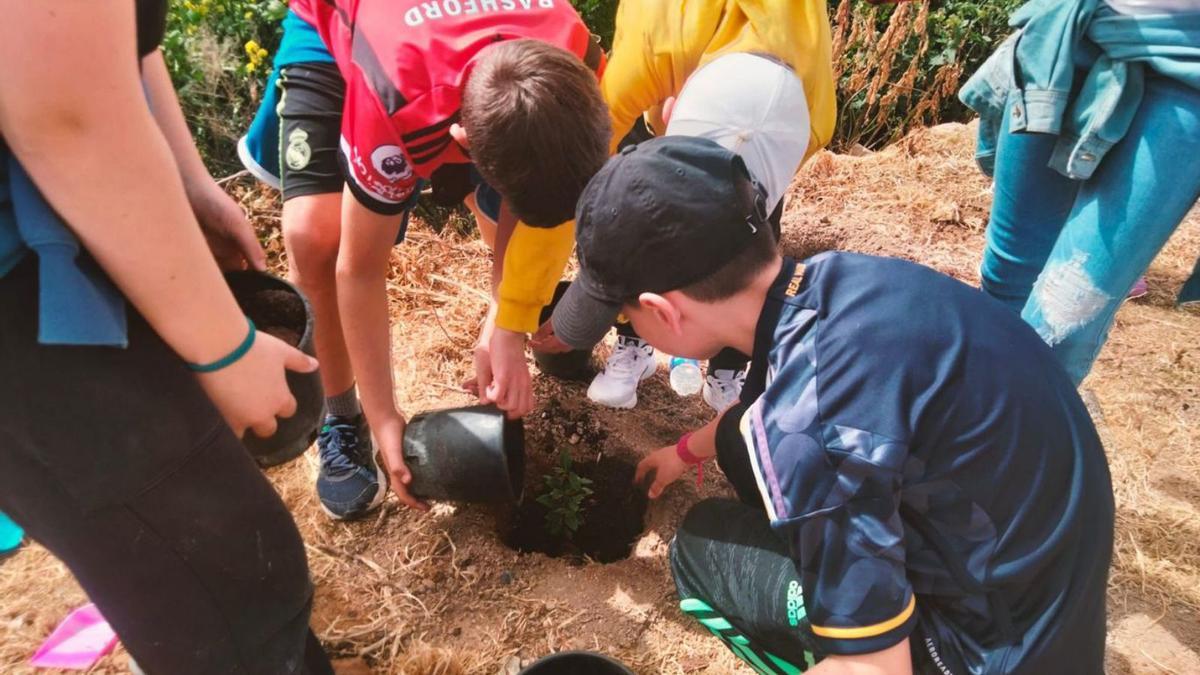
{"type": "Point", "coordinates": [563, 492]}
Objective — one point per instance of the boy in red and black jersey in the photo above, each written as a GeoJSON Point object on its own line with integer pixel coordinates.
{"type": "Point", "coordinates": [493, 102]}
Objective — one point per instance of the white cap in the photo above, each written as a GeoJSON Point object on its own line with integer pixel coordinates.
{"type": "Point", "coordinates": [754, 106]}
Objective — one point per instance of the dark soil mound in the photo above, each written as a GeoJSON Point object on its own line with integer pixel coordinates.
{"type": "Point", "coordinates": [613, 517]}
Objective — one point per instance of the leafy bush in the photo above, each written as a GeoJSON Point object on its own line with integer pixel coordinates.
{"type": "Point", "coordinates": [219, 52]}
{"type": "Point", "coordinates": [600, 16]}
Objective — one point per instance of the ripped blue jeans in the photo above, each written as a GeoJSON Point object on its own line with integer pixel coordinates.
{"type": "Point", "coordinates": [1064, 253]}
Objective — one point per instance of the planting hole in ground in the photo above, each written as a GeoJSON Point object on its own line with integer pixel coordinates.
{"type": "Point", "coordinates": [585, 509]}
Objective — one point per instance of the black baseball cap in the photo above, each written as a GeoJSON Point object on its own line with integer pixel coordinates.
{"type": "Point", "coordinates": [659, 216]}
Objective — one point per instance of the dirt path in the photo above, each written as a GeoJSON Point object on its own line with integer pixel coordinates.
{"type": "Point", "coordinates": [444, 594]}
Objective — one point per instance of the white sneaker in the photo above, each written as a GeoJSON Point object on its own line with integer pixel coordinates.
{"type": "Point", "coordinates": [631, 362]}
{"type": "Point", "coordinates": [723, 387]}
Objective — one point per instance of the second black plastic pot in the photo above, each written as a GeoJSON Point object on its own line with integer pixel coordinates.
{"type": "Point", "coordinates": [577, 663]}
{"type": "Point", "coordinates": [284, 309]}
{"type": "Point", "coordinates": [573, 365]}
{"type": "Point", "coordinates": [472, 454]}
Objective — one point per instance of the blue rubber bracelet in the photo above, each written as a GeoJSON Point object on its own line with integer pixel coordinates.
{"type": "Point", "coordinates": [230, 358]}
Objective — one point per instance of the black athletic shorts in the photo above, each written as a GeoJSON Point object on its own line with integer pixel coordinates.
{"type": "Point", "coordinates": [310, 129]}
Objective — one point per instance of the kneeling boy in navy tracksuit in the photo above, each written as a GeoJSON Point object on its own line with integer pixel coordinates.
{"type": "Point", "coordinates": [920, 488]}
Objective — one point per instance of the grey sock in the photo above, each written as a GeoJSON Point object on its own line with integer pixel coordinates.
{"type": "Point", "coordinates": [344, 404]}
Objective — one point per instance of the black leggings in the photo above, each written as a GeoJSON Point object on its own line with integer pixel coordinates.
{"type": "Point", "coordinates": [117, 462]}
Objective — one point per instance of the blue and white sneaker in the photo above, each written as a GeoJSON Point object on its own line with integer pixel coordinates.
{"type": "Point", "coordinates": [351, 484]}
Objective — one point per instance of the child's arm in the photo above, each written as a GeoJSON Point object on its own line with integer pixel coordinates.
{"type": "Point", "coordinates": [362, 265]}
{"type": "Point", "coordinates": [663, 466]}
{"type": "Point", "coordinates": [528, 264]}
{"type": "Point", "coordinates": [500, 366]}
{"type": "Point", "coordinates": [533, 264]}
{"type": "Point", "coordinates": [895, 660]}
{"type": "Point", "coordinates": [77, 119]}
{"type": "Point", "coordinates": [229, 234]}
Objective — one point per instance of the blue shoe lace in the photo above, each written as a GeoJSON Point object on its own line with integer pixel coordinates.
{"type": "Point", "coordinates": [337, 446]}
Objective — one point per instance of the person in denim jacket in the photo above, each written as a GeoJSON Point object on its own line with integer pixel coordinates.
{"type": "Point", "coordinates": [1090, 126]}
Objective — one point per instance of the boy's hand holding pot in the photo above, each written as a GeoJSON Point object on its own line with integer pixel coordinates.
{"type": "Point", "coordinates": [501, 372]}
{"type": "Point", "coordinates": [511, 388]}
{"type": "Point", "coordinates": [388, 434]}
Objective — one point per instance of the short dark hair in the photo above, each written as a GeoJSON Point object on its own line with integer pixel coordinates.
{"type": "Point", "coordinates": [538, 127]}
{"type": "Point", "coordinates": [736, 274]}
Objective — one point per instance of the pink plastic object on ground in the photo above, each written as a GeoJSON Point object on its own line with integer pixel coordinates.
{"type": "Point", "coordinates": [78, 643]}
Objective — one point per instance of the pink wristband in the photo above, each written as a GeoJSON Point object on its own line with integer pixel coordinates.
{"type": "Point", "coordinates": [681, 449]}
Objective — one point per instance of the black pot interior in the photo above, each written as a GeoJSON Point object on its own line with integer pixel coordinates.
{"type": "Point", "coordinates": [246, 284]}
{"type": "Point", "coordinates": [576, 663]}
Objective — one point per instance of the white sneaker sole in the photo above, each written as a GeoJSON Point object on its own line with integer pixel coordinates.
{"type": "Point", "coordinates": [381, 476]}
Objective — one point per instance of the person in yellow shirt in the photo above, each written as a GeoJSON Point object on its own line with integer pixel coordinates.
{"type": "Point", "coordinates": [756, 77]}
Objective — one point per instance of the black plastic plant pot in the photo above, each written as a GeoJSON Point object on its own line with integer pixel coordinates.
{"type": "Point", "coordinates": [278, 308]}
{"type": "Point", "coordinates": [577, 663]}
{"type": "Point", "coordinates": [573, 365]}
{"type": "Point", "coordinates": [472, 454]}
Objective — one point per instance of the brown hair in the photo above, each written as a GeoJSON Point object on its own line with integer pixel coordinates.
{"type": "Point", "coordinates": [537, 126]}
{"type": "Point", "coordinates": [738, 272]}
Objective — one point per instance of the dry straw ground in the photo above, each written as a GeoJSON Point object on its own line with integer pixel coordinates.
{"type": "Point", "coordinates": [442, 594]}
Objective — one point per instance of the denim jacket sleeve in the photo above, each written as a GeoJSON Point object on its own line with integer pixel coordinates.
{"type": "Point", "coordinates": [987, 92]}
{"type": "Point", "coordinates": [1046, 54]}
{"type": "Point", "coordinates": [1076, 69]}
{"type": "Point", "coordinates": [1034, 67]}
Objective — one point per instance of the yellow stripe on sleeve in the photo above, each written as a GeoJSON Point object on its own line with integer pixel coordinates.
{"type": "Point", "coordinates": [868, 631]}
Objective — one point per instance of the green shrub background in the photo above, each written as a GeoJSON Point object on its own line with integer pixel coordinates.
{"type": "Point", "coordinates": [898, 66]}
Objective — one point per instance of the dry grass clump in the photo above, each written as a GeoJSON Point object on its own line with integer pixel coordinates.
{"type": "Point", "coordinates": [887, 82]}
